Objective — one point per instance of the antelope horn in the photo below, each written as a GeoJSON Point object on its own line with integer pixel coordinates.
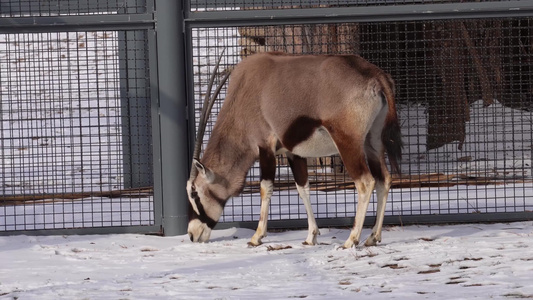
{"type": "Point", "coordinates": [206, 111]}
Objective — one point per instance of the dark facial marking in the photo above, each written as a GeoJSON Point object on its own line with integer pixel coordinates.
{"type": "Point", "coordinates": [299, 130]}
{"type": "Point", "coordinates": [203, 217]}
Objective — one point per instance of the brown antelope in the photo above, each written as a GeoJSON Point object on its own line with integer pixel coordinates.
{"type": "Point", "coordinates": [300, 106]}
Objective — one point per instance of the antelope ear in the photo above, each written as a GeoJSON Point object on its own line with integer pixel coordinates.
{"type": "Point", "coordinates": [205, 171]}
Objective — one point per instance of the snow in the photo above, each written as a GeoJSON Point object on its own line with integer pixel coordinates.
{"type": "Point", "coordinates": [477, 261]}
{"type": "Point", "coordinates": [498, 143]}
{"type": "Point", "coordinates": [61, 131]}
{"type": "Point", "coordinates": [56, 140]}
{"type": "Point", "coordinates": [89, 212]}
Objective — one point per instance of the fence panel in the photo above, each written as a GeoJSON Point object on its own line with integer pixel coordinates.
{"type": "Point", "coordinates": [92, 127]}
{"type": "Point", "coordinates": [75, 118]}
{"type": "Point", "coordinates": [464, 99]}
{"type": "Point", "coordinates": [203, 5]}
{"type": "Point", "coordinates": [26, 8]}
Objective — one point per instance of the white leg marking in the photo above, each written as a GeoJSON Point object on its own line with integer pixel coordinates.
{"type": "Point", "coordinates": [267, 187]}
{"type": "Point", "coordinates": [382, 191]}
{"type": "Point", "coordinates": [365, 186]}
{"type": "Point", "coordinates": [313, 227]}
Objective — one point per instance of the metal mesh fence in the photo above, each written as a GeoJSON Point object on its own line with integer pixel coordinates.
{"type": "Point", "coordinates": [464, 99]}
{"type": "Point", "coordinates": [69, 131]}
{"type": "Point", "coordinates": [208, 5]}
{"type": "Point", "coordinates": [27, 8]}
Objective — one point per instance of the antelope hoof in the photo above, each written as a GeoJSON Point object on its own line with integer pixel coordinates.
{"type": "Point", "coordinates": [311, 238]}
{"type": "Point", "coordinates": [254, 244]}
{"type": "Point", "coordinates": [256, 241]}
{"type": "Point", "coordinates": [372, 240]}
{"type": "Point", "coordinates": [312, 243]}
{"type": "Point", "coordinates": [349, 244]}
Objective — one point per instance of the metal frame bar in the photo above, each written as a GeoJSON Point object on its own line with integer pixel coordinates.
{"type": "Point", "coordinates": [63, 6]}
{"type": "Point", "coordinates": [174, 150]}
{"type": "Point", "coordinates": [414, 12]}
{"type": "Point", "coordinates": [152, 229]}
{"type": "Point", "coordinates": [156, 138]}
{"type": "Point", "coordinates": [288, 3]}
{"type": "Point", "coordinates": [77, 23]}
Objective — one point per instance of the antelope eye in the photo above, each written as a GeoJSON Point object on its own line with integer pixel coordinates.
{"type": "Point", "coordinates": [194, 194]}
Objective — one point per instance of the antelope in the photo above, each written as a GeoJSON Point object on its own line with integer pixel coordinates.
{"type": "Point", "coordinates": [301, 106]}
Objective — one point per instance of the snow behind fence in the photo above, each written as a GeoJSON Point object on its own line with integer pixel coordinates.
{"type": "Point", "coordinates": [62, 134]}
{"type": "Point", "coordinates": [62, 137]}
{"type": "Point", "coordinates": [490, 172]}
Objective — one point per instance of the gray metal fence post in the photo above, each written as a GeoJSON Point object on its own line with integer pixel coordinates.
{"type": "Point", "coordinates": [173, 112]}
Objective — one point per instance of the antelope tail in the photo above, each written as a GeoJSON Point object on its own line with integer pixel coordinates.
{"type": "Point", "coordinates": [391, 134]}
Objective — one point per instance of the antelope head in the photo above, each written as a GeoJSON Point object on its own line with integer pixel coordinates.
{"type": "Point", "coordinates": [206, 208]}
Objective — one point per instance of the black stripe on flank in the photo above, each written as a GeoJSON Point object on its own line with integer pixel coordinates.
{"type": "Point", "coordinates": [203, 217]}
{"type": "Point", "coordinates": [300, 130]}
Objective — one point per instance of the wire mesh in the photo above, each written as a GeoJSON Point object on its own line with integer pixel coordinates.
{"type": "Point", "coordinates": [464, 98]}
{"type": "Point", "coordinates": [65, 124]}
{"type": "Point", "coordinates": [27, 8]}
{"type": "Point", "coordinates": [211, 5]}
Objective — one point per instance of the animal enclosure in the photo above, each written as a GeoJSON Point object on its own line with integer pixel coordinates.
{"type": "Point", "coordinates": [98, 97]}
{"type": "Point", "coordinates": [75, 126]}
{"type": "Point", "coordinates": [464, 95]}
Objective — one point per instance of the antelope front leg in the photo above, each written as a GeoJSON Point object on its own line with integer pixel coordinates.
{"type": "Point", "coordinates": [365, 186]}
{"type": "Point", "coordinates": [267, 187]}
{"type": "Point", "coordinates": [267, 164]}
{"type": "Point", "coordinates": [313, 231]}
{"type": "Point", "coordinates": [299, 170]}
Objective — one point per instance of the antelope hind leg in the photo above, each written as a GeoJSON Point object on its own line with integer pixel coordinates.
{"type": "Point", "coordinates": [382, 191]}
{"type": "Point", "coordinates": [365, 185]}
{"type": "Point", "coordinates": [378, 168]}
{"type": "Point", "coordinates": [375, 236]}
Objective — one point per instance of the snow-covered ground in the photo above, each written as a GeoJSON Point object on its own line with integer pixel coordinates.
{"type": "Point", "coordinates": [475, 261]}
